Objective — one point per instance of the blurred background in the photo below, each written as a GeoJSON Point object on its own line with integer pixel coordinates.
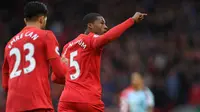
{"type": "Point", "coordinates": [165, 45]}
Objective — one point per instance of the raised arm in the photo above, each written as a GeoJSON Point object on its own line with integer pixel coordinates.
{"type": "Point", "coordinates": [116, 31]}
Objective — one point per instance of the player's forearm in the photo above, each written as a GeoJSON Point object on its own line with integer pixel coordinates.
{"type": "Point", "coordinates": [113, 33]}
{"type": "Point", "coordinates": [5, 78]}
{"type": "Point", "coordinates": [57, 80]}
{"type": "Point", "coordinates": [58, 67]}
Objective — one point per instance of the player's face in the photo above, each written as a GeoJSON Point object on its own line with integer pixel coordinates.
{"type": "Point", "coordinates": [43, 21]}
{"type": "Point", "coordinates": [136, 79]}
{"type": "Point", "coordinates": [99, 26]}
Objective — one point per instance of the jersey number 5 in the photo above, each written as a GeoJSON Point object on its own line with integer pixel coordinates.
{"type": "Point", "coordinates": [74, 64]}
{"type": "Point", "coordinates": [29, 57]}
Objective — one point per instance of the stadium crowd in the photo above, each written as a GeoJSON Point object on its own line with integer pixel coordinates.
{"type": "Point", "coordinates": [165, 46]}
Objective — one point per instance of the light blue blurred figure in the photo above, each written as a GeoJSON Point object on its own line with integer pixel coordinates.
{"type": "Point", "coordinates": [136, 97]}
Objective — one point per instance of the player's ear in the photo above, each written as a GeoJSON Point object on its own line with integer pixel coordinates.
{"type": "Point", "coordinates": [25, 20]}
{"type": "Point", "coordinates": [41, 19]}
{"type": "Point", "coordinates": [90, 25]}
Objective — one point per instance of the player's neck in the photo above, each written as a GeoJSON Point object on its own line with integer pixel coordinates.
{"type": "Point", "coordinates": [32, 24]}
{"type": "Point", "coordinates": [86, 32]}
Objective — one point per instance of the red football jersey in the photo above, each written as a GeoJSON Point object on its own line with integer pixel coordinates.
{"type": "Point", "coordinates": [82, 81]}
{"type": "Point", "coordinates": [27, 61]}
{"type": "Point", "coordinates": [83, 77]}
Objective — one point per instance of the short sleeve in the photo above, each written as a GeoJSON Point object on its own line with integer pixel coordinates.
{"type": "Point", "coordinates": [52, 46]}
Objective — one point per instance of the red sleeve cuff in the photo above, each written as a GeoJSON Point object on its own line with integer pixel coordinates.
{"type": "Point", "coordinates": [131, 21]}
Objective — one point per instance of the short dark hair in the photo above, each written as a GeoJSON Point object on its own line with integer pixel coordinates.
{"type": "Point", "coordinates": [90, 18]}
{"type": "Point", "coordinates": [34, 9]}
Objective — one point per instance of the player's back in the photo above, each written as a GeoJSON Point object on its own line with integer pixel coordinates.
{"type": "Point", "coordinates": [83, 77]}
{"type": "Point", "coordinates": [28, 70]}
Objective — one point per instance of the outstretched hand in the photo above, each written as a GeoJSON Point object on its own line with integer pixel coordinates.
{"type": "Point", "coordinates": [139, 16]}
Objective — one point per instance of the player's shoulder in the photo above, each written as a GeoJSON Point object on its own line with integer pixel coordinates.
{"type": "Point", "coordinates": [148, 92]}
{"type": "Point", "coordinates": [41, 33]}
{"type": "Point", "coordinates": [81, 36]}
{"type": "Point", "coordinates": [44, 33]}
{"type": "Point", "coordinates": [78, 39]}
{"type": "Point", "coordinates": [88, 36]}
{"type": "Point", "coordinates": [66, 45]}
{"type": "Point", "coordinates": [36, 30]}
{"type": "Point", "coordinates": [126, 91]}
{"type": "Point", "coordinates": [93, 35]}
{"type": "Point", "coordinates": [147, 89]}
{"type": "Point", "coordinates": [48, 33]}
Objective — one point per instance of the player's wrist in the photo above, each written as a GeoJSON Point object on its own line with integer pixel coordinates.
{"type": "Point", "coordinates": [134, 19]}
{"type": "Point", "coordinates": [131, 20]}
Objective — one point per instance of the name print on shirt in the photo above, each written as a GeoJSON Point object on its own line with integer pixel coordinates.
{"type": "Point", "coordinates": [29, 34]}
{"type": "Point", "coordinates": [79, 42]}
